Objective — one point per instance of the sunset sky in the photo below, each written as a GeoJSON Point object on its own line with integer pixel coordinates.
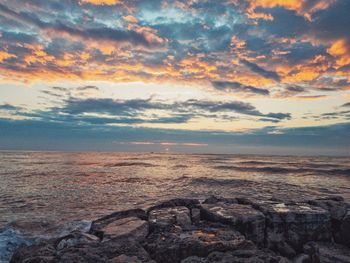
{"type": "Point", "coordinates": [230, 76]}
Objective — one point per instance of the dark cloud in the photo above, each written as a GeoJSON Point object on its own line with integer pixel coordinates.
{"type": "Point", "coordinates": [333, 22]}
{"type": "Point", "coordinates": [259, 70]}
{"type": "Point", "coordinates": [97, 34]}
{"type": "Point", "coordinates": [236, 86]}
{"type": "Point", "coordinates": [9, 107]}
{"type": "Point", "coordinates": [346, 104]}
{"type": "Point", "coordinates": [84, 88]}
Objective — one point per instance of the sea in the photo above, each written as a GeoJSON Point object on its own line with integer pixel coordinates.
{"type": "Point", "coordinates": [46, 194]}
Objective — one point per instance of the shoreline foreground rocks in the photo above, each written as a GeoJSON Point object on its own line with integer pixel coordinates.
{"type": "Point", "coordinates": [216, 229]}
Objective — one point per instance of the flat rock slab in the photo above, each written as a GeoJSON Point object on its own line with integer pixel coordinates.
{"type": "Point", "coordinates": [246, 219]}
{"type": "Point", "coordinates": [127, 227]}
{"type": "Point", "coordinates": [163, 217]}
{"type": "Point", "coordinates": [172, 247]}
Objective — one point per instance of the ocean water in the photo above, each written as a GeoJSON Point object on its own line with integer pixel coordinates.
{"type": "Point", "coordinates": [42, 193]}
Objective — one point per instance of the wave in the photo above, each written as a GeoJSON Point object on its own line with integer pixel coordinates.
{"type": "Point", "coordinates": [122, 164]}
{"type": "Point", "coordinates": [220, 181]}
{"type": "Point", "coordinates": [10, 240]}
{"type": "Point", "coordinates": [278, 170]}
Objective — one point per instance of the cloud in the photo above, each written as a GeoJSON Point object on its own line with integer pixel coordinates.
{"type": "Point", "coordinates": [259, 70]}
{"type": "Point", "coordinates": [101, 33]}
{"type": "Point", "coordinates": [346, 104]}
{"type": "Point", "coordinates": [100, 2]}
{"type": "Point", "coordinates": [236, 86]}
{"type": "Point", "coordinates": [9, 107]}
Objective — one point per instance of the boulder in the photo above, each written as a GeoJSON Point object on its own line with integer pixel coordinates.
{"type": "Point", "coordinates": [295, 224]}
{"type": "Point", "coordinates": [174, 246]}
{"type": "Point", "coordinates": [327, 252]}
{"type": "Point", "coordinates": [244, 218]}
{"type": "Point", "coordinates": [90, 252]}
{"type": "Point", "coordinates": [168, 216]}
{"type": "Point", "coordinates": [344, 230]}
{"type": "Point", "coordinates": [131, 227]}
{"type": "Point", "coordinates": [239, 256]}
{"type": "Point", "coordinates": [74, 239]}
{"type": "Point", "coordinates": [187, 202]}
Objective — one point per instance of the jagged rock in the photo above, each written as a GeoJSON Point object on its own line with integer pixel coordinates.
{"type": "Point", "coordinates": [74, 239]}
{"type": "Point", "coordinates": [327, 252]}
{"type": "Point", "coordinates": [90, 252]}
{"type": "Point", "coordinates": [239, 256]}
{"type": "Point", "coordinates": [164, 217]}
{"type": "Point", "coordinates": [244, 218]}
{"type": "Point", "coordinates": [195, 215]}
{"type": "Point", "coordinates": [344, 231]}
{"type": "Point", "coordinates": [172, 247]}
{"type": "Point", "coordinates": [187, 202]}
{"type": "Point", "coordinates": [216, 199]}
{"type": "Point", "coordinates": [131, 227]}
{"type": "Point", "coordinates": [335, 206]}
{"type": "Point", "coordinates": [183, 229]}
{"type": "Point", "coordinates": [43, 252]}
{"type": "Point", "coordinates": [294, 224]}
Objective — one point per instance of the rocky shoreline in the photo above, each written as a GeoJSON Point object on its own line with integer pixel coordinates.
{"type": "Point", "coordinates": [215, 229]}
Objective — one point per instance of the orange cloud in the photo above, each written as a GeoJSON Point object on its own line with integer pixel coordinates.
{"type": "Point", "coordinates": [100, 2]}
{"type": "Point", "coordinates": [302, 7]}
{"type": "Point", "coordinates": [4, 55]}
{"type": "Point", "coordinates": [341, 51]}
{"type": "Point", "coordinates": [130, 19]}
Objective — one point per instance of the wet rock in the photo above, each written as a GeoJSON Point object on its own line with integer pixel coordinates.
{"type": "Point", "coordinates": [295, 224]}
{"type": "Point", "coordinates": [172, 247]}
{"type": "Point", "coordinates": [327, 252]}
{"type": "Point", "coordinates": [244, 218]}
{"type": "Point", "coordinates": [195, 215]}
{"type": "Point", "coordinates": [343, 236]}
{"type": "Point", "coordinates": [43, 252]}
{"type": "Point", "coordinates": [216, 199]}
{"type": "Point", "coordinates": [239, 256]}
{"type": "Point", "coordinates": [187, 202]}
{"type": "Point", "coordinates": [164, 217]}
{"type": "Point", "coordinates": [90, 252]}
{"type": "Point", "coordinates": [131, 227]}
{"type": "Point", "coordinates": [103, 221]}
{"type": "Point", "coordinates": [74, 239]}
{"type": "Point", "coordinates": [335, 206]}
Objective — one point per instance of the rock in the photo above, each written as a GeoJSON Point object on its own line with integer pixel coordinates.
{"type": "Point", "coordinates": [285, 250]}
{"type": "Point", "coordinates": [327, 252]}
{"type": "Point", "coordinates": [130, 227]}
{"type": "Point", "coordinates": [344, 231]}
{"type": "Point", "coordinates": [216, 199]}
{"type": "Point", "coordinates": [246, 256]}
{"type": "Point", "coordinates": [337, 209]}
{"type": "Point", "coordinates": [295, 224]}
{"type": "Point", "coordinates": [187, 202]}
{"type": "Point", "coordinates": [139, 213]}
{"type": "Point", "coordinates": [74, 239]}
{"type": "Point", "coordinates": [90, 252]}
{"type": "Point", "coordinates": [172, 247]}
{"type": "Point", "coordinates": [43, 252]}
{"type": "Point", "coordinates": [164, 217]}
{"type": "Point", "coordinates": [195, 215]}
{"type": "Point", "coordinates": [244, 218]}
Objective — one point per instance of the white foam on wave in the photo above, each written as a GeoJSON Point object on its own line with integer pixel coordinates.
{"type": "Point", "coordinates": [11, 238]}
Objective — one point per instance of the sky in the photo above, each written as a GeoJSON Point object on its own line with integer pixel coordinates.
{"type": "Point", "coordinates": [207, 76]}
